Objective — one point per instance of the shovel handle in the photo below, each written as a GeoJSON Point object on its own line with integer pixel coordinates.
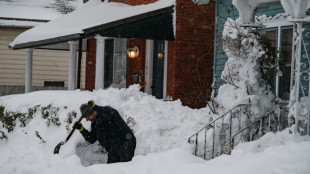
{"type": "Point", "coordinates": [68, 137]}
{"type": "Point", "coordinates": [57, 148]}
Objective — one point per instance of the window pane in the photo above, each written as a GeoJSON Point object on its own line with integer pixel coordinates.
{"type": "Point", "coordinates": [286, 44]}
{"type": "Point", "coordinates": [284, 84]}
{"type": "Point", "coordinates": [272, 35]}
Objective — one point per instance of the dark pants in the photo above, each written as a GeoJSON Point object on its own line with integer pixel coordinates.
{"type": "Point", "coordinates": [126, 152]}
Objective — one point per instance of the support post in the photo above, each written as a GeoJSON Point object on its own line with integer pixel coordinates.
{"type": "Point", "coordinates": [79, 64]}
{"type": "Point", "coordinates": [99, 80]}
{"type": "Point", "coordinates": [28, 81]}
{"type": "Point", "coordinates": [72, 66]}
{"type": "Point", "coordinates": [297, 73]}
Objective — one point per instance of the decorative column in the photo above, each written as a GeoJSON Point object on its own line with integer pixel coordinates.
{"type": "Point", "coordinates": [99, 80]}
{"type": "Point", "coordinates": [297, 15]}
{"type": "Point", "coordinates": [297, 55]}
{"type": "Point", "coordinates": [72, 66]}
{"type": "Point", "coordinates": [28, 82]}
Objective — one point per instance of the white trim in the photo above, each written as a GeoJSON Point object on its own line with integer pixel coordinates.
{"type": "Point", "coordinates": [278, 55]}
{"type": "Point", "coordinates": [72, 65]}
{"type": "Point", "coordinates": [165, 70]}
{"type": "Point", "coordinates": [99, 78]}
{"type": "Point", "coordinates": [279, 23]}
{"type": "Point", "coordinates": [113, 73]}
{"type": "Point", "coordinates": [149, 48]}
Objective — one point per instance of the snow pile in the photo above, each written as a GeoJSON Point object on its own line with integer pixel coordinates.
{"type": "Point", "coordinates": [158, 125]}
{"type": "Point", "coordinates": [280, 153]}
{"type": "Point", "coordinates": [242, 70]}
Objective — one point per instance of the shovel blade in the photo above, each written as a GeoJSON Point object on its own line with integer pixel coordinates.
{"type": "Point", "coordinates": [57, 148]}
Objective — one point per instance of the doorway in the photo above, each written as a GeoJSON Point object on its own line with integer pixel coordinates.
{"type": "Point", "coordinates": [158, 68]}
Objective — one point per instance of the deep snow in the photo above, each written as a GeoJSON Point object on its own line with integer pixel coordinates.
{"type": "Point", "coordinates": [161, 128]}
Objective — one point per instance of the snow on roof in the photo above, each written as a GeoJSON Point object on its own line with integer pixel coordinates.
{"type": "Point", "coordinates": [19, 23]}
{"type": "Point", "coordinates": [90, 14]}
{"type": "Point", "coordinates": [32, 9]}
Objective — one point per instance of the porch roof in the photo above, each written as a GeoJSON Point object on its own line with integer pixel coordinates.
{"type": "Point", "coordinates": [151, 21]}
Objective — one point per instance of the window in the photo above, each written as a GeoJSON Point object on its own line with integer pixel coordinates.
{"type": "Point", "coordinates": [115, 63]}
{"type": "Point", "coordinates": [281, 38]}
{"type": "Point", "coordinates": [54, 83]}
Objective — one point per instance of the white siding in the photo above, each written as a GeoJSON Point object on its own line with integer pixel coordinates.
{"type": "Point", "coordinates": [48, 65]}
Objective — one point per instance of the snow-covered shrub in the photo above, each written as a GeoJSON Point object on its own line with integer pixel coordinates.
{"type": "Point", "coordinates": [70, 117]}
{"type": "Point", "coordinates": [249, 61]}
{"type": "Point", "coordinates": [10, 119]}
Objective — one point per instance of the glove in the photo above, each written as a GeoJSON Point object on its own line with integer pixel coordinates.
{"type": "Point", "coordinates": [78, 126]}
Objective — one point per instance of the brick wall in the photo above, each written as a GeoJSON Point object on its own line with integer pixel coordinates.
{"type": "Point", "coordinates": [191, 65]}
{"type": "Point", "coordinates": [190, 56]}
{"type": "Point", "coordinates": [137, 64]}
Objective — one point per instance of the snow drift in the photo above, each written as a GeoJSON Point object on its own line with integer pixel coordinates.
{"type": "Point", "coordinates": [158, 125]}
{"type": "Point", "coordinates": [161, 128]}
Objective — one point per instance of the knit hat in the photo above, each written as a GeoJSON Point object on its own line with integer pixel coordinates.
{"type": "Point", "coordinates": [87, 108]}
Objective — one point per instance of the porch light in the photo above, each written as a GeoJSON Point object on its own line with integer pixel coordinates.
{"type": "Point", "coordinates": [160, 55]}
{"type": "Point", "coordinates": [133, 52]}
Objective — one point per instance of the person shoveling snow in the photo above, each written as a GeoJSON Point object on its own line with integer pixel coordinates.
{"type": "Point", "coordinates": [109, 129]}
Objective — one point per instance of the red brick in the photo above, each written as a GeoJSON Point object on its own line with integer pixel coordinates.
{"type": "Point", "coordinates": [190, 56]}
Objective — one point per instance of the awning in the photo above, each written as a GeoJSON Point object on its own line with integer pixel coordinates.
{"type": "Point", "coordinates": [152, 21]}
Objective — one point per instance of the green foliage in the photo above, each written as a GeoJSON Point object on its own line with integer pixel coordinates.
{"type": "Point", "coordinates": [2, 134]}
{"type": "Point", "coordinates": [51, 115]}
{"type": "Point", "coordinates": [70, 116]}
{"type": "Point", "coordinates": [269, 63]}
{"type": "Point", "coordinates": [9, 119]}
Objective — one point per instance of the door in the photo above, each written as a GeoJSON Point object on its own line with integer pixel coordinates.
{"type": "Point", "coordinates": [108, 62]}
{"type": "Point", "coordinates": [158, 68]}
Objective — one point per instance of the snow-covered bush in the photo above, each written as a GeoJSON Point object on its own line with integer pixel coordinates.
{"type": "Point", "coordinates": [248, 69]}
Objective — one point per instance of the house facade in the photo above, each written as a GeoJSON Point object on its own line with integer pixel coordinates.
{"type": "Point", "coordinates": [173, 41]}
{"type": "Point", "coordinates": [277, 29]}
{"type": "Point", "coordinates": [180, 67]}
{"type": "Point", "coordinates": [50, 67]}
{"type": "Point", "coordinates": [286, 24]}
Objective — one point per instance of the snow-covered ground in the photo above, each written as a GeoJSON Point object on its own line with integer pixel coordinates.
{"type": "Point", "coordinates": [161, 128]}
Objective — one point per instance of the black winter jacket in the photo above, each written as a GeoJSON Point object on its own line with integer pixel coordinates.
{"type": "Point", "coordinates": [109, 129]}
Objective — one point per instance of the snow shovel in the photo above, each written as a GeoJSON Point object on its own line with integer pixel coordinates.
{"type": "Point", "coordinates": [57, 148]}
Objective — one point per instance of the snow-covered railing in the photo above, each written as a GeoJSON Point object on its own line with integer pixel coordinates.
{"type": "Point", "coordinates": [273, 121]}
{"type": "Point", "coordinates": [224, 133]}
{"type": "Point", "coordinates": [214, 134]}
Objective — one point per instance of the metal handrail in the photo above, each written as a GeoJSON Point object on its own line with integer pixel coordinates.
{"type": "Point", "coordinates": [212, 125]}
{"type": "Point", "coordinates": [251, 125]}
{"type": "Point", "coordinates": [228, 126]}
{"type": "Point", "coordinates": [208, 125]}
